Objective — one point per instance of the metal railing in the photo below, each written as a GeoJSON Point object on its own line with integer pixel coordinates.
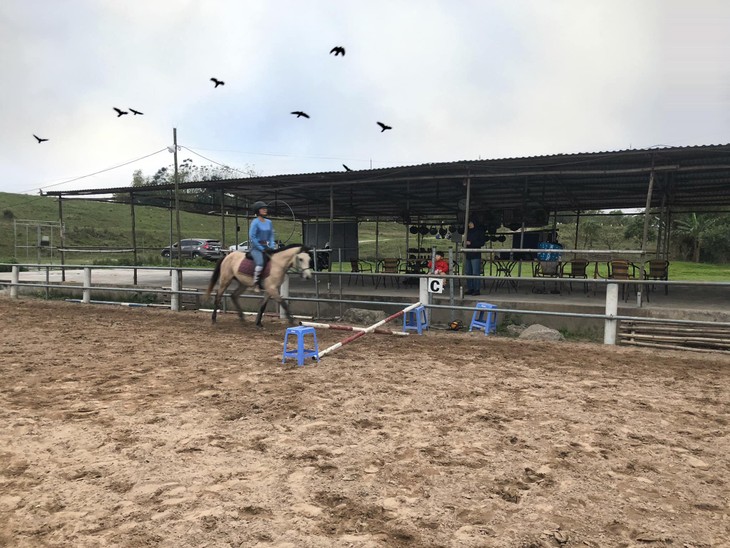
{"type": "Point", "coordinates": [176, 291]}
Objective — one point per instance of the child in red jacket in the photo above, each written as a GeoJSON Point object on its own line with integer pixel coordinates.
{"type": "Point", "coordinates": [442, 265]}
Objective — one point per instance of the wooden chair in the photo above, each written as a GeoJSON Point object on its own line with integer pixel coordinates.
{"type": "Point", "coordinates": [578, 269]}
{"type": "Point", "coordinates": [358, 266]}
{"type": "Point", "coordinates": [621, 269]}
{"type": "Point", "coordinates": [658, 269]}
{"type": "Point", "coordinates": [388, 266]}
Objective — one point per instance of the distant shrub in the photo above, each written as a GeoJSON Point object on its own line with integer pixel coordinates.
{"type": "Point", "coordinates": [8, 214]}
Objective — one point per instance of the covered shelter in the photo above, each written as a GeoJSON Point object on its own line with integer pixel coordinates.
{"type": "Point", "coordinates": [510, 192]}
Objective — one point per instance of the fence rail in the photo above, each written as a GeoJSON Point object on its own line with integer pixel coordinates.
{"type": "Point", "coordinates": [176, 292]}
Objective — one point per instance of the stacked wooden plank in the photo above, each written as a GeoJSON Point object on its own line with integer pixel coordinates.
{"type": "Point", "coordinates": [674, 336]}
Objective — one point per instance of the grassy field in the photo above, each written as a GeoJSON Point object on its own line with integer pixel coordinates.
{"type": "Point", "coordinates": [107, 226]}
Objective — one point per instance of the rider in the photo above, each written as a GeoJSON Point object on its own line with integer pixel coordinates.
{"type": "Point", "coordinates": [262, 238]}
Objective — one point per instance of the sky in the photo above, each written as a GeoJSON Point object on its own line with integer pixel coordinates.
{"type": "Point", "coordinates": [456, 80]}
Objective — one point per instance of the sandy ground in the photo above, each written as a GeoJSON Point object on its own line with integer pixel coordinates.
{"type": "Point", "coordinates": [142, 427]}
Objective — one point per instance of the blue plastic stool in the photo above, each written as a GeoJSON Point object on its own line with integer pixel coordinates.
{"type": "Point", "coordinates": [485, 317]}
{"type": "Point", "coordinates": [415, 320]}
{"type": "Point", "coordinates": [300, 353]}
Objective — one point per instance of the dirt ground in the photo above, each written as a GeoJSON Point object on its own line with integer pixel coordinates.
{"type": "Point", "coordinates": [142, 427]}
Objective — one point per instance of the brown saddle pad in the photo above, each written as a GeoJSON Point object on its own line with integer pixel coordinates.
{"type": "Point", "coordinates": [247, 265]}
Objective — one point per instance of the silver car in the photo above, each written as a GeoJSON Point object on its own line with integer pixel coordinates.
{"type": "Point", "coordinates": [192, 248]}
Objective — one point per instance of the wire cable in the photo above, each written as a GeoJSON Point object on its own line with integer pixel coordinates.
{"type": "Point", "coordinates": [95, 173]}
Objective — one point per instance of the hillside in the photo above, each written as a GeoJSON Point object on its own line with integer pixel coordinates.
{"type": "Point", "coordinates": [102, 225]}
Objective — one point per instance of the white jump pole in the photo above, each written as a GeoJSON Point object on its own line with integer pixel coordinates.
{"type": "Point", "coordinates": [340, 327]}
{"type": "Point", "coordinates": [367, 330]}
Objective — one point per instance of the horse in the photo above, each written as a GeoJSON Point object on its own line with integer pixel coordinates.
{"type": "Point", "coordinates": [227, 269]}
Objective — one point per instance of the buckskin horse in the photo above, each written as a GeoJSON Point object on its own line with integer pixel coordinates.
{"type": "Point", "coordinates": [237, 266]}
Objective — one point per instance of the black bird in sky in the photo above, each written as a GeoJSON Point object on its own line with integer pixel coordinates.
{"type": "Point", "coordinates": [39, 139]}
{"type": "Point", "coordinates": [383, 126]}
{"type": "Point", "coordinates": [299, 114]}
{"type": "Point", "coordinates": [346, 168]}
{"type": "Point", "coordinates": [338, 50]}
{"type": "Point", "coordinates": [120, 112]}
{"type": "Point", "coordinates": [135, 112]}
{"type": "Point", "coordinates": [217, 82]}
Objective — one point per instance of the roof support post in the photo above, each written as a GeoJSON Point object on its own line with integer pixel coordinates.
{"type": "Point", "coordinates": [467, 207]}
{"type": "Point", "coordinates": [134, 237]}
{"type": "Point", "coordinates": [62, 238]}
{"type": "Point", "coordinates": [177, 200]}
{"type": "Point", "coordinates": [645, 235]}
{"type": "Point", "coordinates": [331, 239]}
{"type": "Point", "coordinates": [223, 219]}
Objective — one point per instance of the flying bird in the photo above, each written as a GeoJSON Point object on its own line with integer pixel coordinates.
{"type": "Point", "coordinates": [120, 112]}
{"type": "Point", "coordinates": [135, 112]}
{"type": "Point", "coordinates": [383, 126]}
{"type": "Point", "coordinates": [338, 50]}
{"type": "Point", "coordinates": [39, 139]}
{"type": "Point", "coordinates": [299, 114]}
{"type": "Point", "coordinates": [217, 82]}
{"type": "Point", "coordinates": [346, 168]}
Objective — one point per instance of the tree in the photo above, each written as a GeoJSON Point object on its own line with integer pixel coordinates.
{"type": "Point", "coordinates": [694, 228]}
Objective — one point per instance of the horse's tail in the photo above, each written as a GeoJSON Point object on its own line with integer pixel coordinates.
{"type": "Point", "coordinates": [214, 277]}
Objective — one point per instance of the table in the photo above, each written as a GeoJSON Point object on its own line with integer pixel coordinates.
{"type": "Point", "coordinates": [504, 268]}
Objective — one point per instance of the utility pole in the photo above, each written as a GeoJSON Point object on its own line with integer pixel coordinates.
{"type": "Point", "coordinates": [177, 199]}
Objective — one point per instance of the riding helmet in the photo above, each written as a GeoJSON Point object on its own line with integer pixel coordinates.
{"type": "Point", "coordinates": [258, 205]}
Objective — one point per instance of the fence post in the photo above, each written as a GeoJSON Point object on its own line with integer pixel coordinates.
{"type": "Point", "coordinates": [175, 287]}
{"type": "Point", "coordinates": [86, 299]}
{"type": "Point", "coordinates": [424, 296]}
{"type": "Point", "coordinates": [610, 325]}
{"type": "Point", "coordinates": [284, 292]}
{"type": "Point", "coordinates": [15, 280]}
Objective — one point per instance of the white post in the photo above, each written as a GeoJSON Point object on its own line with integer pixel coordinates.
{"type": "Point", "coordinates": [175, 286]}
{"type": "Point", "coordinates": [284, 292]}
{"type": "Point", "coordinates": [15, 280]}
{"type": "Point", "coordinates": [86, 299]}
{"type": "Point", "coordinates": [424, 296]}
{"type": "Point", "coordinates": [610, 326]}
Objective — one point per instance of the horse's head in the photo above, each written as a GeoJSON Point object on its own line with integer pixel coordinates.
{"type": "Point", "coordinates": [302, 263]}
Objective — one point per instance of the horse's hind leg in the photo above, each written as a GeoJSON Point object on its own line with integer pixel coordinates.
{"type": "Point", "coordinates": [222, 286]}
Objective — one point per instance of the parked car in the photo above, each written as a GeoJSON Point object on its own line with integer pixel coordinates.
{"type": "Point", "coordinates": [243, 247]}
{"type": "Point", "coordinates": [196, 247]}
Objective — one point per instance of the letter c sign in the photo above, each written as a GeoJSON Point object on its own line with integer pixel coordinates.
{"type": "Point", "coordinates": [435, 285]}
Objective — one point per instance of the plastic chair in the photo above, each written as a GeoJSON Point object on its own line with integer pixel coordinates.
{"type": "Point", "coordinates": [300, 353]}
{"type": "Point", "coordinates": [618, 269]}
{"type": "Point", "coordinates": [658, 270]}
{"type": "Point", "coordinates": [484, 318]}
{"type": "Point", "coordinates": [388, 266]}
{"type": "Point", "coordinates": [415, 320]}
{"type": "Point", "coordinates": [358, 266]}
{"type": "Point", "coordinates": [578, 269]}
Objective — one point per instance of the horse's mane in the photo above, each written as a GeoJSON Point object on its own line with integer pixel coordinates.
{"type": "Point", "coordinates": [305, 249]}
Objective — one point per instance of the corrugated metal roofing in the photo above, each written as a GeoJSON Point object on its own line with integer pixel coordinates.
{"type": "Point", "coordinates": [685, 177]}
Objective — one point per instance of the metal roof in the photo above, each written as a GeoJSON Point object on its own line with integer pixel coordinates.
{"type": "Point", "coordinates": [685, 178]}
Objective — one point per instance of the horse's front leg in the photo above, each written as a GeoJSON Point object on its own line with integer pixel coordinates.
{"type": "Point", "coordinates": [261, 310]}
{"type": "Point", "coordinates": [285, 305]}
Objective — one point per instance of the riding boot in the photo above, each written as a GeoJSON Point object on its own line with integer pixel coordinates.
{"type": "Point", "coordinates": [256, 278]}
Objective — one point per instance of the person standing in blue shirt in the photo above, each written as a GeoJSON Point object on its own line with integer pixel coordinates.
{"type": "Point", "coordinates": [473, 260]}
{"type": "Point", "coordinates": [262, 238]}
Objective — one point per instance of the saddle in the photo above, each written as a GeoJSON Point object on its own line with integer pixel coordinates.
{"type": "Point", "coordinates": [247, 266]}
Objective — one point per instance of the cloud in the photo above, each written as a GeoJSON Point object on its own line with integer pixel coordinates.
{"type": "Point", "coordinates": [455, 80]}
